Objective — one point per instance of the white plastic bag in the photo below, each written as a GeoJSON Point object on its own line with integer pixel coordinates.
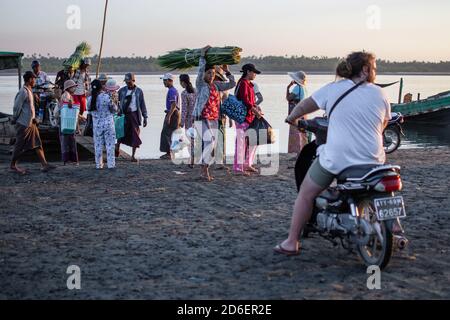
{"type": "Point", "coordinates": [179, 140]}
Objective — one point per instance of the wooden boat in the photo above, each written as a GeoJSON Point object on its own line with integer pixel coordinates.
{"type": "Point", "coordinates": [434, 110]}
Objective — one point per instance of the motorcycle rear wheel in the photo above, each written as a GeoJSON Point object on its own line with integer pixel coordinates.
{"type": "Point", "coordinates": [377, 251]}
{"type": "Point", "coordinates": [391, 139]}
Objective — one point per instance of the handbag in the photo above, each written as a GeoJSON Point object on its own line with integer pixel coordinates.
{"type": "Point", "coordinates": [234, 108]}
{"type": "Point", "coordinates": [119, 124]}
{"type": "Point", "coordinates": [264, 132]}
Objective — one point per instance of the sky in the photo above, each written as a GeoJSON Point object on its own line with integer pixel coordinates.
{"type": "Point", "coordinates": [399, 30]}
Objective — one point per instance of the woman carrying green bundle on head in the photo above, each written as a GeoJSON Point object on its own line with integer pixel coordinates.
{"type": "Point", "coordinates": [206, 111]}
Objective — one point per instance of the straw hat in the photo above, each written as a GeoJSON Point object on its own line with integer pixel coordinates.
{"type": "Point", "coordinates": [298, 76]}
{"type": "Point", "coordinates": [111, 85]}
{"type": "Point", "coordinates": [69, 84]}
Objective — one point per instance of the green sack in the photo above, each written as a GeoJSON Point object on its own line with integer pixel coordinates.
{"type": "Point", "coordinates": [119, 124]}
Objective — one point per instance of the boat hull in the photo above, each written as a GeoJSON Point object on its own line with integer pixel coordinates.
{"type": "Point", "coordinates": [437, 118]}
{"type": "Point", "coordinates": [434, 110]}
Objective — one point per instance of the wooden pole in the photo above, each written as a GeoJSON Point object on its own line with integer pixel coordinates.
{"type": "Point", "coordinates": [19, 70]}
{"type": "Point", "coordinates": [400, 91]}
{"type": "Point", "coordinates": [101, 43]}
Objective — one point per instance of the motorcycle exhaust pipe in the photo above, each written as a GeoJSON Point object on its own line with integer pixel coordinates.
{"type": "Point", "coordinates": [401, 242]}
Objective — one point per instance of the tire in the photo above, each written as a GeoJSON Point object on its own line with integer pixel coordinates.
{"type": "Point", "coordinates": [386, 248]}
{"type": "Point", "coordinates": [391, 139]}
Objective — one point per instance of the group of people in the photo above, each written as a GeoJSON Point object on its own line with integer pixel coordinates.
{"type": "Point", "coordinates": [354, 134]}
{"type": "Point", "coordinates": [102, 100]}
{"type": "Point", "coordinates": [200, 109]}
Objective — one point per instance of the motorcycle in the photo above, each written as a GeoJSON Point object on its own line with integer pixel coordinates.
{"type": "Point", "coordinates": [47, 103]}
{"type": "Point", "coordinates": [393, 133]}
{"type": "Point", "coordinates": [361, 210]}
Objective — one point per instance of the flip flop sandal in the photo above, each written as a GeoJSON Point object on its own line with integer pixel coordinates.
{"type": "Point", "coordinates": [279, 249]}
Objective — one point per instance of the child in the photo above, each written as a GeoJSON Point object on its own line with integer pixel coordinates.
{"type": "Point", "coordinates": [102, 108]}
{"type": "Point", "coordinates": [68, 143]}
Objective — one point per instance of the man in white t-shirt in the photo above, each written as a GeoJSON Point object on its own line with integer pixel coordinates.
{"type": "Point", "coordinates": [355, 134]}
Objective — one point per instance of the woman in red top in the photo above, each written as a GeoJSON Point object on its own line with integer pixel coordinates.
{"type": "Point", "coordinates": [207, 110]}
{"type": "Point", "coordinates": [244, 153]}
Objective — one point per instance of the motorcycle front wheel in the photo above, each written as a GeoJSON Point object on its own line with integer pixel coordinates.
{"type": "Point", "coordinates": [391, 139]}
{"type": "Point", "coordinates": [379, 248]}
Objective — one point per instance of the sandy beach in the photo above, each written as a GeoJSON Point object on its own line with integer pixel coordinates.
{"type": "Point", "coordinates": [153, 230]}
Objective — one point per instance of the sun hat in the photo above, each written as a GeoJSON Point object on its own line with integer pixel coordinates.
{"type": "Point", "coordinates": [69, 84]}
{"type": "Point", "coordinates": [298, 76]}
{"type": "Point", "coordinates": [111, 85]}
{"type": "Point", "coordinates": [167, 76]}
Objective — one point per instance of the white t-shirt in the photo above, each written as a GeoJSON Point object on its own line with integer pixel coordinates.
{"type": "Point", "coordinates": [133, 100]}
{"type": "Point", "coordinates": [355, 132]}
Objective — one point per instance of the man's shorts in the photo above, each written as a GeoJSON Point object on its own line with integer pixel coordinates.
{"type": "Point", "coordinates": [320, 175]}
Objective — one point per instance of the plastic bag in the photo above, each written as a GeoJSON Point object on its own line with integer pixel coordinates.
{"type": "Point", "coordinates": [179, 140]}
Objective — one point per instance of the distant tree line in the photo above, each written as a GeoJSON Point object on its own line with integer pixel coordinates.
{"type": "Point", "coordinates": [264, 63]}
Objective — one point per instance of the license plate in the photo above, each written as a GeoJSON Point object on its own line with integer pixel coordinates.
{"type": "Point", "coordinates": [390, 208]}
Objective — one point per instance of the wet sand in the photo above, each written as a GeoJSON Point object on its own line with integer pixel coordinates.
{"type": "Point", "coordinates": [146, 232]}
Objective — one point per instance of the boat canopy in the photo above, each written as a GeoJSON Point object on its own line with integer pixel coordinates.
{"type": "Point", "coordinates": [12, 60]}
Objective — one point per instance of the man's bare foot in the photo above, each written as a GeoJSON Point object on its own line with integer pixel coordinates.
{"type": "Point", "coordinates": [17, 170]}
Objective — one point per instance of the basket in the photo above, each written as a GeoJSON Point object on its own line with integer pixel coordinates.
{"type": "Point", "coordinates": [69, 118]}
{"type": "Point", "coordinates": [119, 124]}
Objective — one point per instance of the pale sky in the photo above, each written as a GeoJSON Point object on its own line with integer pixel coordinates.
{"type": "Point", "coordinates": [408, 29]}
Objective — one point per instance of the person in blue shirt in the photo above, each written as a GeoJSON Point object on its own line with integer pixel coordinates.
{"type": "Point", "coordinates": [172, 120]}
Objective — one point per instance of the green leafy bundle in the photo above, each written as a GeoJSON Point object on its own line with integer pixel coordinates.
{"type": "Point", "coordinates": [82, 51]}
{"type": "Point", "coordinates": [187, 58]}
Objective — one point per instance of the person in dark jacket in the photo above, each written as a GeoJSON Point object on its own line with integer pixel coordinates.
{"type": "Point", "coordinates": [132, 105]}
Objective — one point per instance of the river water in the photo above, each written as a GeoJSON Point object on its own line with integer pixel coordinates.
{"type": "Point", "coordinates": [273, 88]}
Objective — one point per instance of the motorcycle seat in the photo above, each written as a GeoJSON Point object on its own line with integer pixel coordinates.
{"type": "Point", "coordinates": [359, 173]}
{"type": "Point", "coordinates": [355, 172]}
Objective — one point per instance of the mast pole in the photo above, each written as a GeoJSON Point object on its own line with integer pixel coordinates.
{"type": "Point", "coordinates": [101, 42]}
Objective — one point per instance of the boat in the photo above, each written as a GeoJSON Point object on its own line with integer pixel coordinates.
{"type": "Point", "coordinates": [434, 110]}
